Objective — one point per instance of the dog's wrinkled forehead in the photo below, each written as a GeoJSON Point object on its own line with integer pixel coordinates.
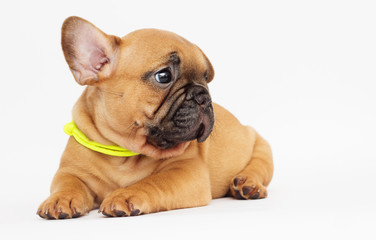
{"type": "Point", "coordinates": [142, 47]}
{"type": "Point", "coordinates": [171, 59]}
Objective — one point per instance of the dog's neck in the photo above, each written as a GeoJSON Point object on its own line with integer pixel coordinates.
{"type": "Point", "coordinates": [86, 119]}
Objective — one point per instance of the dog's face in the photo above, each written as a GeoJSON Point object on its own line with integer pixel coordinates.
{"type": "Point", "coordinates": [151, 85]}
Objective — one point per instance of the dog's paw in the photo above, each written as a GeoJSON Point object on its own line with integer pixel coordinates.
{"type": "Point", "coordinates": [244, 188]}
{"type": "Point", "coordinates": [122, 203]}
{"type": "Point", "coordinates": [62, 205]}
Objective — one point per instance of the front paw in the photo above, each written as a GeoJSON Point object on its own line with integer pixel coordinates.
{"type": "Point", "coordinates": [123, 203]}
{"type": "Point", "coordinates": [62, 205]}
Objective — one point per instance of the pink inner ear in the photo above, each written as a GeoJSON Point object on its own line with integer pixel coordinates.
{"type": "Point", "coordinates": [90, 61]}
{"type": "Point", "coordinates": [90, 53]}
{"type": "Point", "coordinates": [87, 50]}
{"type": "Point", "coordinates": [90, 48]}
{"type": "Point", "coordinates": [97, 59]}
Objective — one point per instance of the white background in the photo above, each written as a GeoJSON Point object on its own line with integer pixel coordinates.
{"type": "Point", "coordinates": [301, 72]}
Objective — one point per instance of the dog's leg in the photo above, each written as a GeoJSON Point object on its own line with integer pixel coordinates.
{"type": "Point", "coordinates": [251, 183]}
{"type": "Point", "coordinates": [180, 184]}
{"type": "Point", "coordinates": [70, 198]}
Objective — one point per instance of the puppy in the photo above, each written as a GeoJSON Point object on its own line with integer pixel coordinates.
{"type": "Point", "coordinates": [146, 136]}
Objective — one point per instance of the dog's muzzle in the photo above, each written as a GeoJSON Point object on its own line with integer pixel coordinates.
{"type": "Point", "coordinates": [190, 117]}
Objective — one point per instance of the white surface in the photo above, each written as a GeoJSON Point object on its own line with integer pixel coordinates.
{"type": "Point", "coordinates": [302, 73]}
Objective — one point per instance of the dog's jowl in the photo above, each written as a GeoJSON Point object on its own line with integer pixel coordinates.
{"type": "Point", "coordinates": [145, 135]}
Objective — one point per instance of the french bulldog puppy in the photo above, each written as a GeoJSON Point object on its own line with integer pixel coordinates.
{"type": "Point", "coordinates": [148, 92]}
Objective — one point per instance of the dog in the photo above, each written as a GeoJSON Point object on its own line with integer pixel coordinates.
{"type": "Point", "coordinates": [146, 135]}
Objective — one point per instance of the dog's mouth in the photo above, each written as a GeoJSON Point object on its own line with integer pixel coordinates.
{"type": "Point", "coordinates": [167, 140]}
{"type": "Point", "coordinates": [191, 117]}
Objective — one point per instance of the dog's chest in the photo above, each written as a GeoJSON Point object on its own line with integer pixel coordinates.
{"type": "Point", "coordinates": [120, 173]}
{"type": "Point", "coordinates": [131, 171]}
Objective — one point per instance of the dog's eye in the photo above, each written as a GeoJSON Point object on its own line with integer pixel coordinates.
{"type": "Point", "coordinates": [164, 76]}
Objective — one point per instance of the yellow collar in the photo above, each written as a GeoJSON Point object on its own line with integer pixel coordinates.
{"type": "Point", "coordinates": [72, 130]}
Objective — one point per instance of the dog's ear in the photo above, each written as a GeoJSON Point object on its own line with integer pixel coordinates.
{"type": "Point", "coordinates": [210, 71]}
{"type": "Point", "coordinates": [90, 53]}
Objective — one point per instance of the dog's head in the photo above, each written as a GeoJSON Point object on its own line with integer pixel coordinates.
{"type": "Point", "coordinates": [149, 88]}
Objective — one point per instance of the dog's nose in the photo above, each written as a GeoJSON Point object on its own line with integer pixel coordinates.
{"type": "Point", "coordinates": [200, 95]}
{"type": "Point", "coordinates": [203, 99]}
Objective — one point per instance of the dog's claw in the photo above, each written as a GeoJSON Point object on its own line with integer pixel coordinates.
{"type": "Point", "coordinates": [239, 180]}
{"type": "Point", "coordinates": [246, 190]}
{"type": "Point", "coordinates": [255, 196]}
{"type": "Point", "coordinates": [135, 212]}
{"type": "Point", "coordinates": [238, 195]}
{"type": "Point", "coordinates": [119, 213]}
{"type": "Point", "coordinates": [63, 215]}
{"type": "Point", "coordinates": [75, 213]}
{"type": "Point", "coordinates": [106, 214]}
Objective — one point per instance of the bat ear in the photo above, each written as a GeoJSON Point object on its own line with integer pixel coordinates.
{"type": "Point", "coordinates": [210, 71]}
{"type": "Point", "coordinates": [90, 53]}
